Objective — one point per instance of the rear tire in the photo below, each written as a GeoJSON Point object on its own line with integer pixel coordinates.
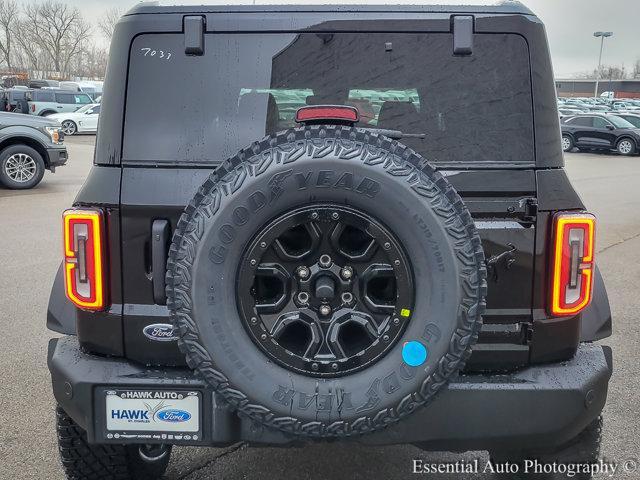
{"type": "Point", "coordinates": [584, 448]}
{"type": "Point", "coordinates": [84, 461]}
{"type": "Point", "coordinates": [21, 167]}
{"type": "Point", "coordinates": [567, 143]}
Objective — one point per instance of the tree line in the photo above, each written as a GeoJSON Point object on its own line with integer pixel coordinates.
{"type": "Point", "coordinates": [50, 39]}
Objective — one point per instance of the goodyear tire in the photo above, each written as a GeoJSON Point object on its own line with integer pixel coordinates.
{"type": "Point", "coordinates": [349, 169]}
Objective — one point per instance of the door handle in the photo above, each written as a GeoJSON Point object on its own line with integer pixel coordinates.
{"type": "Point", "coordinates": [159, 251]}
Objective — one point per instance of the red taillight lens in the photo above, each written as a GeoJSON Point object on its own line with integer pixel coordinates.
{"type": "Point", "coordinates": [573, 262]}
{"type": "Point", "coordinates": [327, 112]}
{"type": "Point", "coordinates": [83, 258]}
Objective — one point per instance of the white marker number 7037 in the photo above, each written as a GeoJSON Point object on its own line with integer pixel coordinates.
{"type": "Point", "coordinates": [160, 54]}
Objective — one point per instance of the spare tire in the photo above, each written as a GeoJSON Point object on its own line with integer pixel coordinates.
{"type": "Point", "coordinates": [326, 281]}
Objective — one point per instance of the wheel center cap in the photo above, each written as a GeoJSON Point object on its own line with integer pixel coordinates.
{"type": "Point", "coordinates": [325, 288]}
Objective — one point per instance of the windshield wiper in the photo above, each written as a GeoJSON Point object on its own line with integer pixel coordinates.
{"type": "Point", "coordinates": [395, 134]}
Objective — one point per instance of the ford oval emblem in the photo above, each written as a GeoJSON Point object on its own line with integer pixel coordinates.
{"type": "Point", "coordinates": [173, 416]}
{"type": "Point", "coordinates": [160, 332]}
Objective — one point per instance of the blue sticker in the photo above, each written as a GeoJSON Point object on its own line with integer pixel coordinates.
{"type": "Point", "coordinates": [414, 353]}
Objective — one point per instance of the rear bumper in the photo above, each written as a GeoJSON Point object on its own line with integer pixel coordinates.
{"type": "Point", "coordinates": [538, 406]}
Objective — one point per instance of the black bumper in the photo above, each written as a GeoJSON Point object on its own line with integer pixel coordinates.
{"type": "Point", "coordinates": [538, 406]}
{"type": "Point", "coordinates": [58, 156]}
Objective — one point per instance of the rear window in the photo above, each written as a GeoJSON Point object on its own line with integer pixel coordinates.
{"type": "Point", "coordinates": [43, 96]}
{"type": "Point", "coordinates": [199, 110]}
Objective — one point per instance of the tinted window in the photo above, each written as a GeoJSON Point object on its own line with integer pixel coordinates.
{"type": "Point", "coordinates": [635, 121]}
{"type": "Point", "coordinates": [65, 98]}
{"type": "Point", "coordinates": [43, 96]}
{"type": "Point", "coordinates": [95, 110]}
{"type": "Point", "coordinates": [620, 122]}
{"type": "Point", "coordinates": [599, 122]}
{"type": "Point", "coordinates": [581, 121]}
{"type": "Point", "coordinates": [247, 85]}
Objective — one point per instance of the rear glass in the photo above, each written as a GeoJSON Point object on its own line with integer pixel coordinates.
{"type": "Point", "coordinates": [203, 109]}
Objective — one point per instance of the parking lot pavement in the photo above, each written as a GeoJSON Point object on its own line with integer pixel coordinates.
{"type": "Point", "coordinates": [30, 247]}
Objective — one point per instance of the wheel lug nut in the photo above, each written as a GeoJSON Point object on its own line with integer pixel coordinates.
{"type": "Point", "coordinates": [303, 272]}
{"type": "Point", "coordinates": [325, 261]}
{"type": "Point", "coordinates": [387, 246]}
{"type": "Point", "coordinates": [314, 366]}
{"type": "Point", "coordinates": [254, 320]}
{"type": "Point", "coordinates": [346, 273]}
{"type": "Point", "coordinates": [385, 338]}
{"type": "Point", "coordinates": [325, 310]}
{"type": "Point", "coordinates": [263, 336]}
{"type": "Point", "coordinates": [335, 215]}
{"type": "Point", "coordinates": [303, 298]}
{"type": "Point", "coordinates": [334, 366]}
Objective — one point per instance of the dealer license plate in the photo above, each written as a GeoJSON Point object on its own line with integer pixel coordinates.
{"type": "Point", "coordinates": [152, 411]}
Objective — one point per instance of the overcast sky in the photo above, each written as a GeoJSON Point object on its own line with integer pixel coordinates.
{"type": "Point", "coordinates": [570, 26]}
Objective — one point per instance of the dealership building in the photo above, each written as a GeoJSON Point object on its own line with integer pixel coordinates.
{"type": "Point", "coordinates": [585, 88]}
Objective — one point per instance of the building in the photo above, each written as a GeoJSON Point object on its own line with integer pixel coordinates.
{"type": "Point", "coordinates": [584, 88]}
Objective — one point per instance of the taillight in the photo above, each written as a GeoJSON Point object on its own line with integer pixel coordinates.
{"type": "Point", "coordinates": [84, 257]}
{"type": "Point", "coordinates": [573, 262]}
{"type": "Point", "coordinates": [318, 113]}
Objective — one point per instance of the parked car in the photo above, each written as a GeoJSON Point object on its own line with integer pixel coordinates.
{"type": "Point", "coordinates": [93, 89]}
{"type": "Point", "coordinates": [43, 102]}
{"type": "Point", "coordinates": [28, 147]}
{"type": "Point", "coordinates": [287, 279]}
{"type": "Point", "coordinates": [12, 99]}
{"type": "Point", "coordinates": [599, 108]}
{"type": "Point", "coordinates": [578, 103]}
{"type": "Point", "coordinates": [83, 120]}
{"type": "Point", "coordinates": [44, 84]}
{"type": "Point", "coordinates": [565, 112]}
{"type": "Point", "coordinates": [623, 106]}
{"type": "Point", "coordinates": [600, 132]}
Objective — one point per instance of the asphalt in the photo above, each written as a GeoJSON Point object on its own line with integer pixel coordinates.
{"type": "Point", "coordinates": [30, 249]}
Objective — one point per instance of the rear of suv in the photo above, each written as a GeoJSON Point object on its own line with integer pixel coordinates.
{"type": "Point", "coordinates": [328, 238]}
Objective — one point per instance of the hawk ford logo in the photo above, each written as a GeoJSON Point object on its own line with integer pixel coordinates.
{"type": "Point", "coordinates": [160, 332]}
{"type": "Point", "coordinates": [174, 416]}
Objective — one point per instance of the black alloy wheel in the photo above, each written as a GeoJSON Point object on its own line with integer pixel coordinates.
{"type": "Point", "coordinates": [325, 289]}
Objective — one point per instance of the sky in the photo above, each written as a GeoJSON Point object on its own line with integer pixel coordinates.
{"type": "Point", "coordinates": [570, 25]}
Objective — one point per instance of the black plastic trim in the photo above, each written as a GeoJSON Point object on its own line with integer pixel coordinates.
{"type": "Point", "coordinates": [160, 235]}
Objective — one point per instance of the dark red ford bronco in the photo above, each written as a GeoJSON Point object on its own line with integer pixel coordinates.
{"type": "Point", "coordinates": [327, 223]}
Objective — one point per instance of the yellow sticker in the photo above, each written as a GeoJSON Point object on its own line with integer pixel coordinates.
{"type": "Point", "coordinates": [405, 312]}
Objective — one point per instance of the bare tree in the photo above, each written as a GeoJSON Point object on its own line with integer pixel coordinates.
{"type": "Point", "coordinates": [58, 29]}
{"type": "Point", "coordinates": [108, 22]}
{"type": "Point", "coordinates": [9, 14]}
{"type": "Point", "coordinates": [636, 69]}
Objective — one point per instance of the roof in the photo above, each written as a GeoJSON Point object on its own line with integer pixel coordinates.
{"type": "Point", "coordinates": [464, 6]}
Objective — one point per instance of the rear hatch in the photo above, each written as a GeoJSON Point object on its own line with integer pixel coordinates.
{"type": "Point", "coordinates": [187, 113]}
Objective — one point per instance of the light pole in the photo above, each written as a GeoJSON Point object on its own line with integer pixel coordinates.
{"type": "Point", "coordinates": [602, 36]}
